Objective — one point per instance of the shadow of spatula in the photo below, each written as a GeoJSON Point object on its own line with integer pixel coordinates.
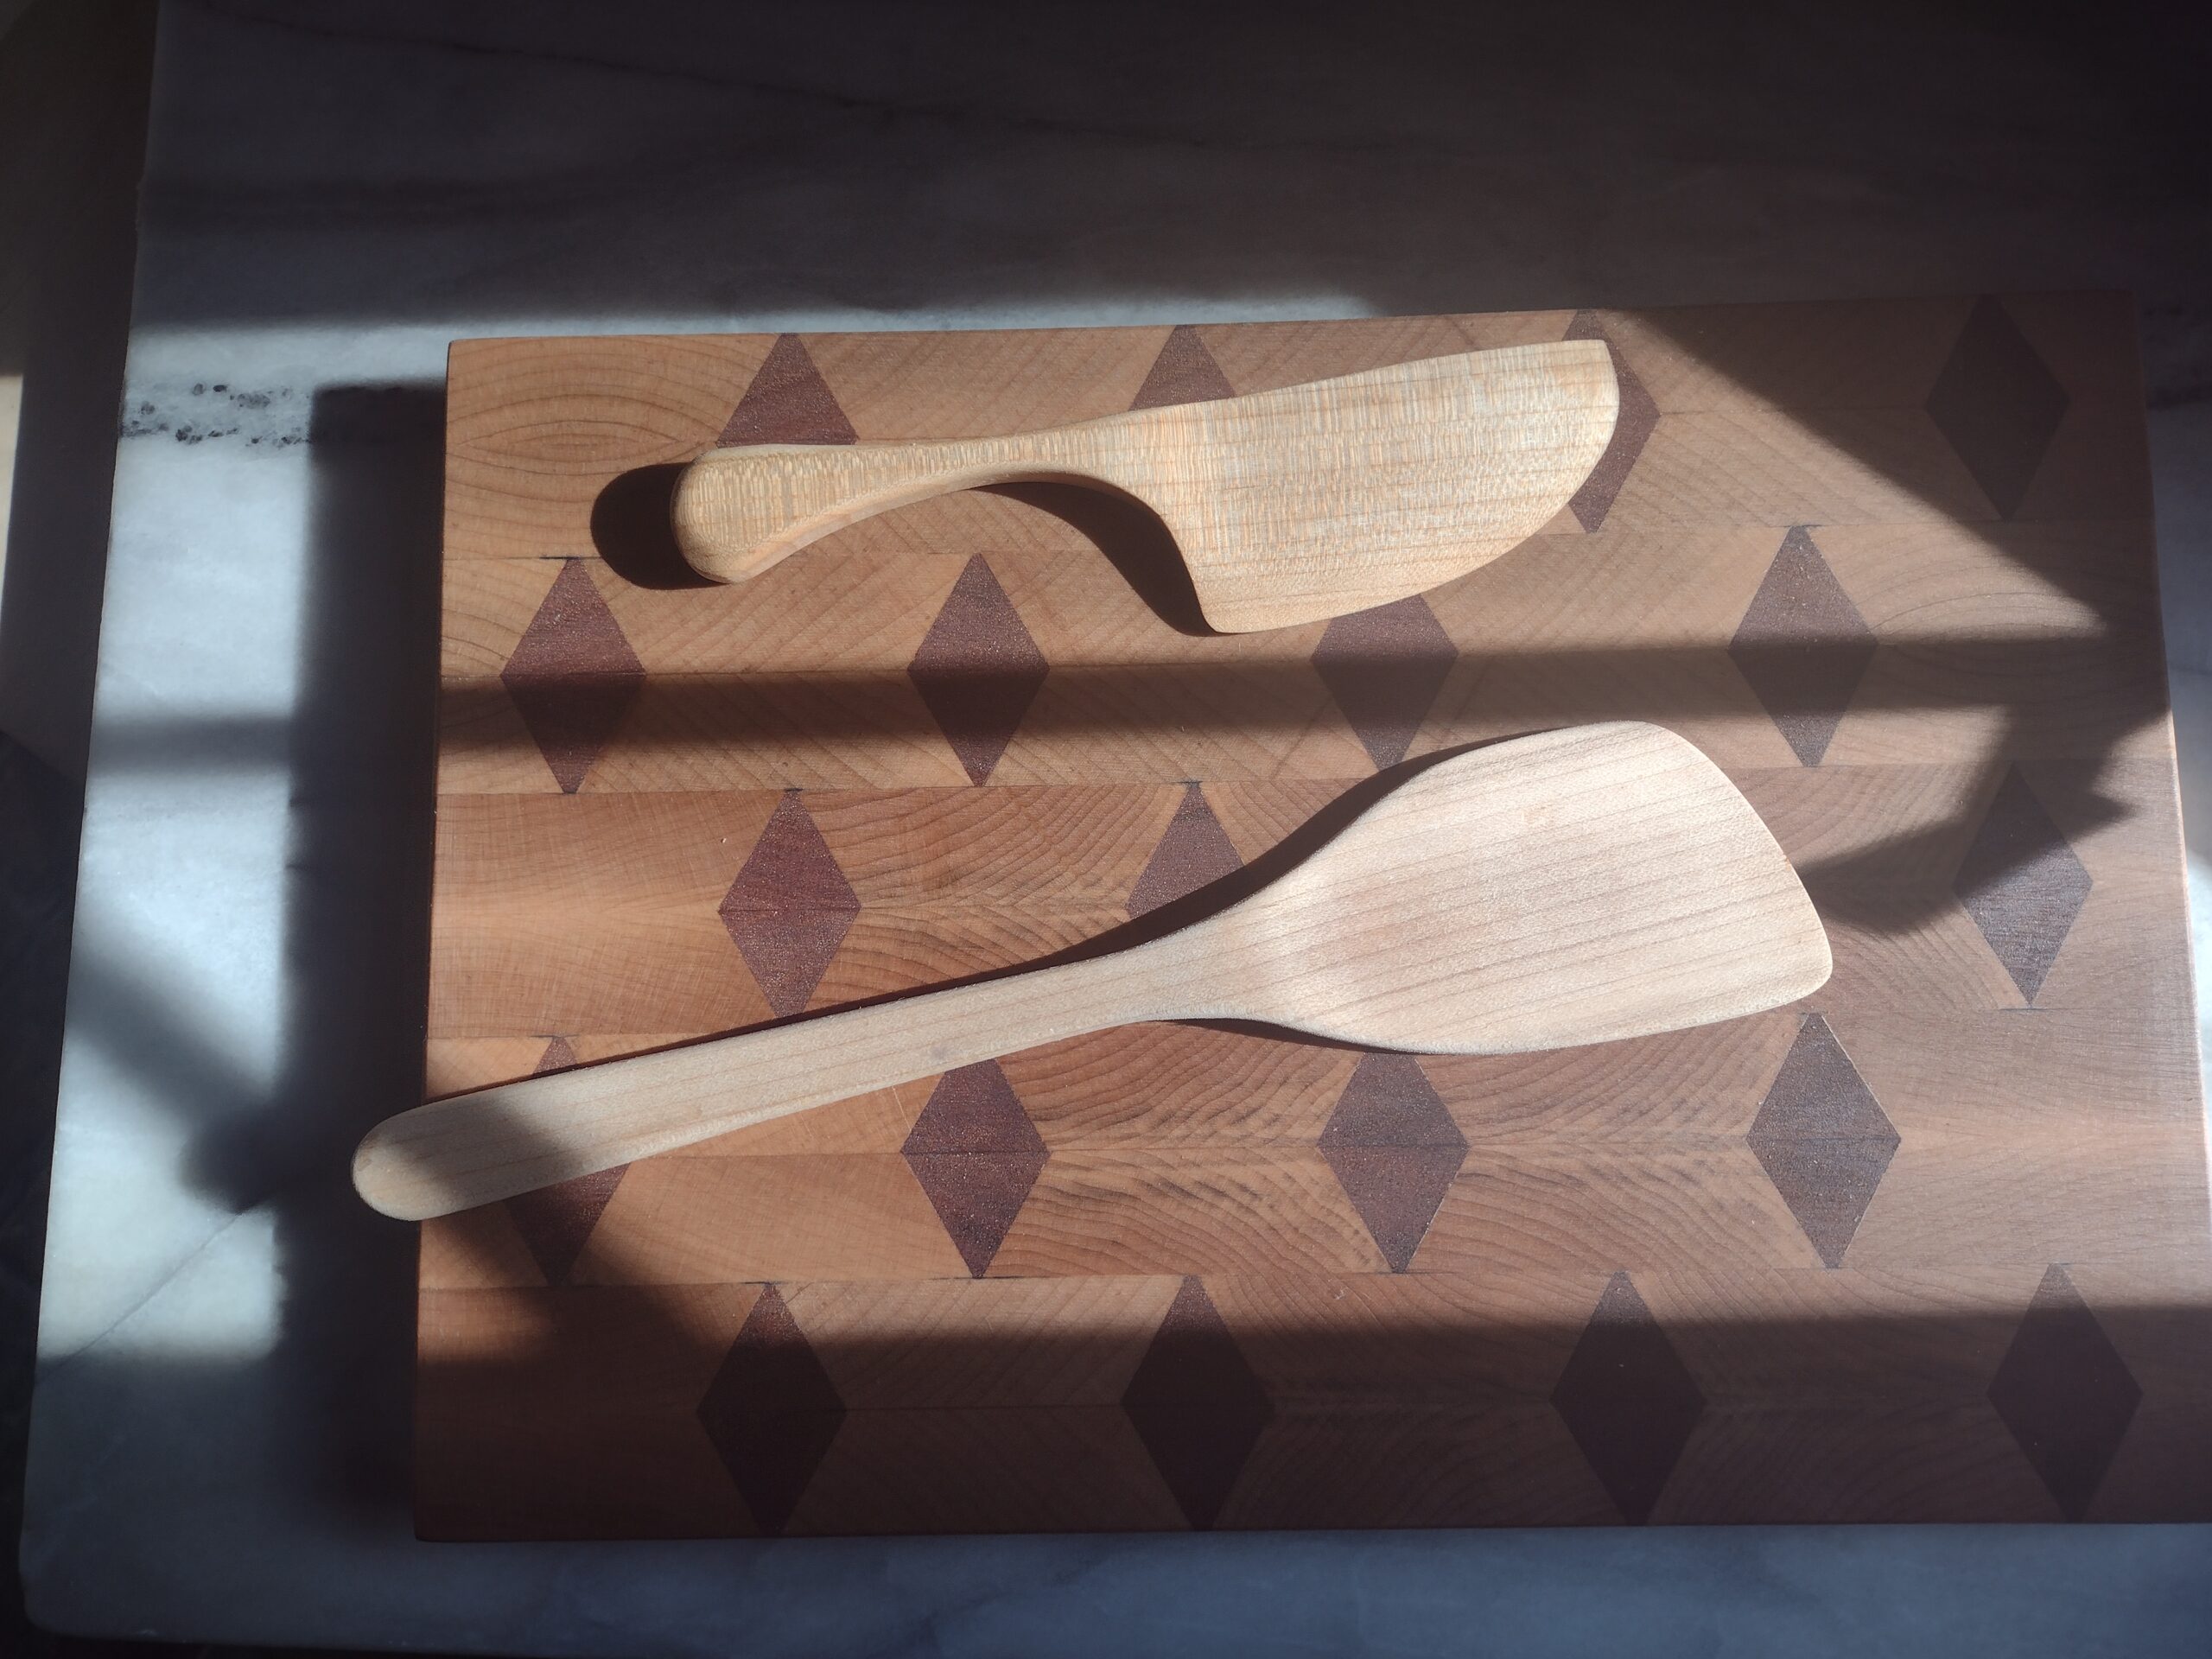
{"type": "Point", "coordinates": [1287, 507]}
{"type": "Point", "coordinates": [1583, 885]}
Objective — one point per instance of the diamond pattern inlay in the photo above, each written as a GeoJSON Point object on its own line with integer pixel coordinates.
{"type": "Point", "coordinates": [772, 1412]}
{"type": "Point", "coordinates": [2065, 1393]}
{"type": "Point", "coordinates": [1631, 431]}
{"type": "Point", "coordinates": [556, 1222]}
{"type": "Point", "coordinates": [1999, 404]}
{"type": "Point", "coordinates": [976, 1155]}
{"type": "Point", "coordinates": [1430, 1374]}
{"type": "Point", "coordinates": [1628, 1400]}
{"type": "Point", "coordinates": [1184, 373]}
{"type": "Point", "coordinates": [2021, 884]}
{"type": "Point", "coordinates": [572, 676]}
{"type": "Point", "coordinates": [1802, 646]}
{"type": "Point", "coordinates": [1195, 850]}
{"type": "Point", "coordinates": [1395, 1150]}
{"type": "Point", "coordinates": [788, 402]}
{"type": "Point", "coordinates": [978, 670]}
{"type": "Point", "coordinates": [790, 907]}
{"type": "Point", "coordinates": [1195, 1405]}
{"type": "Point", "coordinates": [1823, 1138]}
{"type": "Point", "coordinates": [1384, 667]}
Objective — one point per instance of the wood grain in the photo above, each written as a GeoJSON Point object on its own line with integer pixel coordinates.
{"type": "Point", "coordinates": [1138, 1279]}
{"type": "Point", "coordinates": [1577, 887]}
{"type": "Point", "coordinates": [1301, 502]}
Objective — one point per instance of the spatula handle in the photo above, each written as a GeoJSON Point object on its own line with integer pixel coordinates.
{"type": "Point", "coordinates": [471, 1149]}
{"type": "Point", "coordinates": [737, 512]}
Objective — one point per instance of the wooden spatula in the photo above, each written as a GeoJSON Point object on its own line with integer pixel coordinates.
{"type": "Point", "coordinates": [1288, 506]}
{"type": "Point", "coordinates": [1600, 882]}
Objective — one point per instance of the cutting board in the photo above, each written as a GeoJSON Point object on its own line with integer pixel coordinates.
{"type": "Point", "coordinates": [1931, 1245]}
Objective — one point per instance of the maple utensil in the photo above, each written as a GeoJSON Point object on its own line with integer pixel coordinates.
{"type": "Point", "coordinates": [1288, 506]}
{"type": "Point", "coordinates": [1576, 886]}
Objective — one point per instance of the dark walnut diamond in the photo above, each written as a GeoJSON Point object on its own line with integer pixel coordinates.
{"type": "Point", "coordinates": [790, 907]}
{"type": "Point", "coordinates": [572, 676]}
{"type": "Point", "coordinates": [1395, 1150]}
{"type": "Point", "coordinates": [978, 669]}
{"type": "Point", "coordinates": [1195, 851]}
{"type": "Point", "coordinates": [1823, 1138]}
{"type": "Point", "coordinates": [1802, 646]}
{"type": "Point", "coordinates": [1628, 1400]}
{"type": "Point", "coordinates": [1184, 373]}
{"type": "Point", "coordinates": [2065, 1393]}
{"type": "Point", "coordinates": [1197, 1405]}
{"type": "Point", "coordinates": [1999, 404]}
{"type": "Point", "coordinates": [2021, 884]}
{"type": "Point", "coordinates": [976, 1155]}
{"type": "Point", "coordinates": [556, 1222]}
{"type": "Point", "coordinates": [1384, 667]}
{"type": "Point", "coordinates": [771, 1412]}
{"type": "Point", "coordinates": [788, 402]}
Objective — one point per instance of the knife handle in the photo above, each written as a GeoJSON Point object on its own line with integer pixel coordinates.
{"type": "Point", "coordinates": [737, 512]}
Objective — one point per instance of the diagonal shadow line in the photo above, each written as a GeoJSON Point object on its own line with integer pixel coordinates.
{"type": "Point", "coordinates": [137, 1026]}
{"type": "Point", "coordinates": [2123, 600]}
{"type": "Point", "coordinates": [2053, 676]}
{"type": "Point", "coordinates": [2077, 692]}
{"type": "Point", "coordinates": [2038, 676]}
{"type": "Point", "coordinates": [1747, 361]}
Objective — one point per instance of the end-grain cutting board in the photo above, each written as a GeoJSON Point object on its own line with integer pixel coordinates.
{"type": "Point", "coordinates": [1931, 1245]}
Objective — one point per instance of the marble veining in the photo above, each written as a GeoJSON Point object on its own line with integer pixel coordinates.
{"type": "Point", "coordinates": [216, 412]}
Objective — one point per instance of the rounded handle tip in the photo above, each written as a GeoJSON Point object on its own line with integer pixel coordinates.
{"type": "Point", "coordinates": [691, 518]}
{"type": "Point", "coordinates": [373, 1179]}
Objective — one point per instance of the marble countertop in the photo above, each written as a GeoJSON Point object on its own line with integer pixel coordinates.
{"type": "Point", "coordinates": [336, 191]}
